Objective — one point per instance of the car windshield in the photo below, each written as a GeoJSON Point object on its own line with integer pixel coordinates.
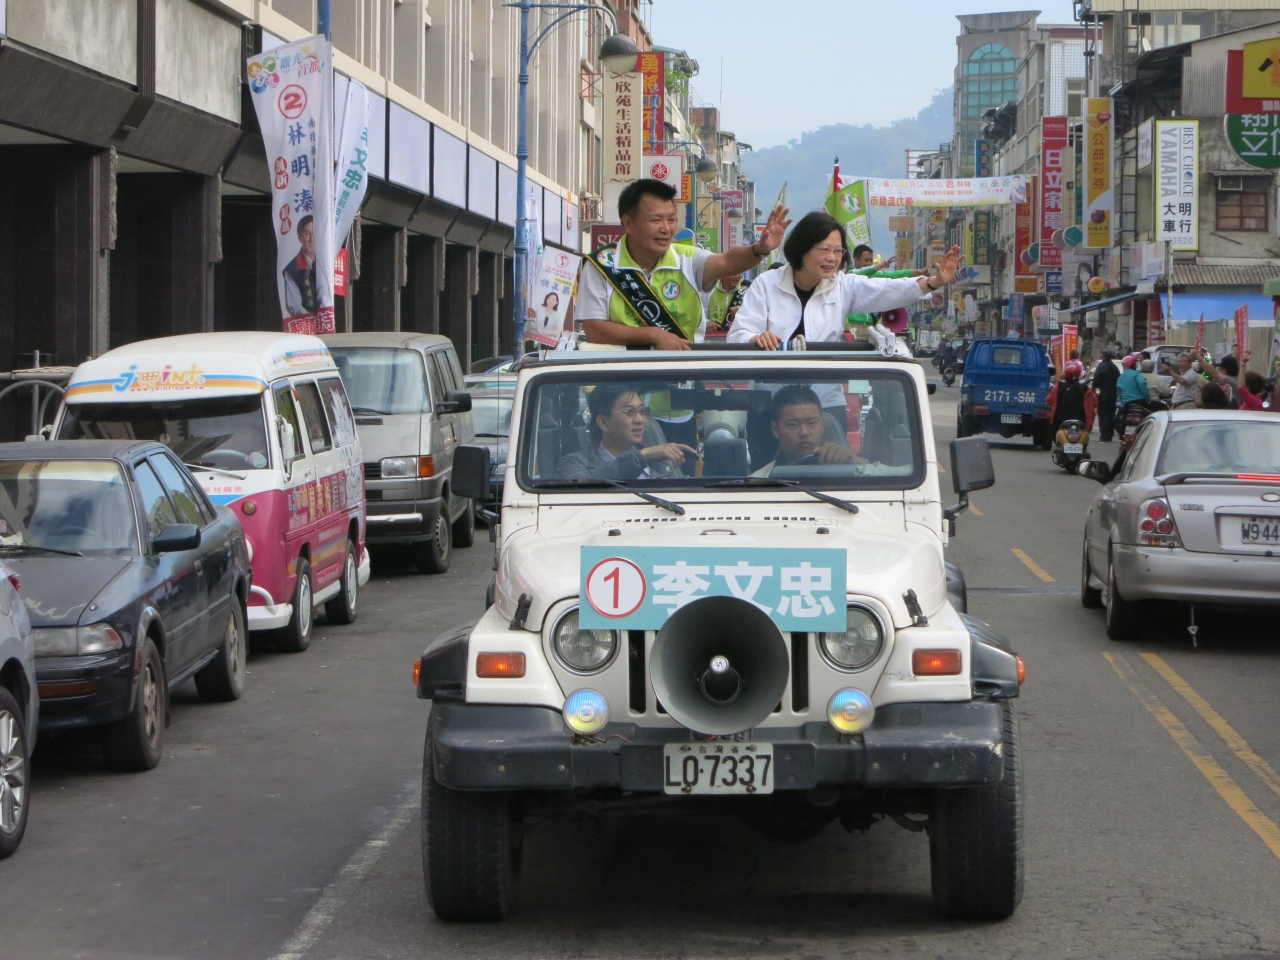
{"type": "Point", "coordinates": [759, 426]}
{"type": "Point", "coordinates": [1222, 446]}
{"type": "Point", "coordinates": [491, 414]}
{"type": "Point", "coordinates": [79, 506]}
{"type": "Point", "coordinates": [223, 432]}
{"type": "Point", "coordinates": [382, 380]}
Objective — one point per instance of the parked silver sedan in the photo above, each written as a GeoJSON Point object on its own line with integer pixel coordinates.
{"type": "Point", "coordinates": [1192, 516]}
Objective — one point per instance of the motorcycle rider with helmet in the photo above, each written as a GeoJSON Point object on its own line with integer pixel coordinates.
{"type": "Point", "coordinates": [1070, 399]}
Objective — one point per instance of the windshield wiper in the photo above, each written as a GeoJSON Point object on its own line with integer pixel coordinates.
{"type": "Point", "coordinates": [794, 484]}
{"type": "Point", "coordinates": [616, 484]}
{"type": "Point", "coordinates": [367, 410]}
{"type": "Point", "coordinates": [37, 546]}
{"type": "Point", "coordinates": [225, 473]}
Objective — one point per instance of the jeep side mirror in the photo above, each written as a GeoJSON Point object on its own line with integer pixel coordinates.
{"type": "Point", "coordinates": [971, 470]}
{"type": "Point", "coordinates": [455, 401]}
{"type": "Point", "coordinates": [471, 471]}
{"type": "Point", "coordinates": [176, 536]}
{"type": "Point", "coordinates": [1094, 469]}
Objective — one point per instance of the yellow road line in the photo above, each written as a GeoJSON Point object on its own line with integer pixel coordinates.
{"type": "Point", "coordinates": [1218, 778]}
{"type": "Point", "coordinates": [973, 509]}
{"type": "Point", "coordinates": [1034, 567]}
{"type": "Point", "coordinates": [941, 468]}
{"type": "Point", "coordinates": [1236, 743]}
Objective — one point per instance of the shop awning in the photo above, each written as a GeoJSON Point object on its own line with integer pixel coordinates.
{"type": "Point", "coordinates": [1190, 307]}
{"type": "Point", "coordinates": [1110, 301]}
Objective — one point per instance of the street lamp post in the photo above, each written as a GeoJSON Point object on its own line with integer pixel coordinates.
{"type": "Point", "coordinates": [618, 54]}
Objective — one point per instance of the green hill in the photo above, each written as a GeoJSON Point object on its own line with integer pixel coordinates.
{"type": "Point", "coordinates": [805, 164]}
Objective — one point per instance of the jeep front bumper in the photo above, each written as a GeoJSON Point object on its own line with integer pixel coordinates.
{"type": "Point", "coordinates": [909, 745]}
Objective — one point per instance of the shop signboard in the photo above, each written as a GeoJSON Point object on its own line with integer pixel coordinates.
{"type": "Point", "coordinates": [1053, 282]}
{"type": "Point", "coordinates": [1052, 186]}
{"type": "Point", "coordinates": [1026, 284]}
{"type": "Point", "coordinates": [652, 67]}
{"type": "Point", "coordinates": [623, 127]}
{"type": "Point", "coordinates": [1146, 147]}
{"type": "Point", "coordinates": [1017, 303]}
{"type": "Point", "coordinates": [667, 168]}
{"type": "Point", "coordinates": [982, 237]}
{"type": "Point", "coordinates": [1177, 183]}
{"type": "Point", "coordinates": [1255, 137]}
{"type": "Point", "coordinates": [1237, 101]}
{"type": "Point", "coordinates": [1099, 197]}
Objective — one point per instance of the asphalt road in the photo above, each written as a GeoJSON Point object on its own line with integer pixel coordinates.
{"type": "Point", "coordinates": [285, 825]}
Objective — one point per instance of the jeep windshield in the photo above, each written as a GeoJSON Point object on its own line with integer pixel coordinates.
{"type": "Point", "coordinates": [807, 428]}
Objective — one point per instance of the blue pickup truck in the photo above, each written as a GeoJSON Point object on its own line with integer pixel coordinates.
{"type": "Point", "coordinates": [1005, 391]}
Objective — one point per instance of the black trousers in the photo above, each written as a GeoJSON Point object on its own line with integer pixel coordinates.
{"type": "Point", "coordinates": [1106, 418]}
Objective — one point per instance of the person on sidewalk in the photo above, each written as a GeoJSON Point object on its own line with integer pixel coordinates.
{"type": "Point", "coordinates": [647, 290]}
{"type": "Point", "coordinates": [1186, 383]}
{"type": "Point", "coordinates": [1104, 385]}
{"type": "Point", "coordinates": [1157, 387]}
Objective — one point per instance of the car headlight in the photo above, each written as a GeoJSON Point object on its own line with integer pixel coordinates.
{"type": "Point", "coordinates": [858, 646]}
{"type": "Point", "coordinates": [399, 467]}
{"type": "Point", "coordinates": [584, 651]}
{"type": "Point", "coordinates": [75, 641]}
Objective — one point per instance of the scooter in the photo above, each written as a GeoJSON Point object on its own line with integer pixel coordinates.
{"type": "Point", "coordinates": [1071, 445]}
{"type": "Point", "coordinates": [949, 376]}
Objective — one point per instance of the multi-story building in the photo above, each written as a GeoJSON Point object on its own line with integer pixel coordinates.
{"type": "Point", "coordinates": [989, 49]}
{"type": "Point", "coordinates": [135, 187]}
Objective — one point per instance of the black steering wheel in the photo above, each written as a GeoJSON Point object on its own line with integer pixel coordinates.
{"type": "Point", "coordinates": [810, 460]}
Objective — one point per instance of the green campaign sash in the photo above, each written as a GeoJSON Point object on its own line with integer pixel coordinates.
{"type": "Point", "coordinates": [632, 286]}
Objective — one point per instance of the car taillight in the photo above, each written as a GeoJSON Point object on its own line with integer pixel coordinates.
{"type": "Point", "coordinates": [980, 409]}
{"type": "Point", "coordinates": [1073, 436]}
{"type": "Point", "coordinates": [1155, 525]}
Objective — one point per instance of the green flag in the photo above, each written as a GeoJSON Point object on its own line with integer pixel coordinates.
{"type": "Point", "coordinates": [848, 205]}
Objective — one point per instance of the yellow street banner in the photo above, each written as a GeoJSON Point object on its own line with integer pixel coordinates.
{"type": "Point", "coordinates": [1262, 69]}
{"type": "Point", "coordinates": [1099, 197]}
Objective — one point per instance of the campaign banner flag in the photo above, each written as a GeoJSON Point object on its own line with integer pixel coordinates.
{"type": "Point", "coordinates": [552, 293]}
{"type": "Point", "coordinates": [1241, 318]}
{"type": "Point", "coordinates": [1099, 196]}
{"type": "Point", "coordinates": [971, 192]}
{"type": "Point", "coordinates": [351, 181]}
{"type": "Point", "coordinates": [292, 90]}
{"type": "Point", "coordinates": [847, 202]}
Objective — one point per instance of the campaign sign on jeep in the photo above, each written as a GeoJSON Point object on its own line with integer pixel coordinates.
{"type": "Point", "coordinates": [638, 588]}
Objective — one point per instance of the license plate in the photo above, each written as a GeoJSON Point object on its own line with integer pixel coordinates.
{"type": "Point", "coordinates": [1260, 530]}
{"type": "Point", "coordinates": [717, 768]}
{"type": "Point", "coordinates": [1073, 448]}
{"type": "Point", "coordinates": [1010, 418]}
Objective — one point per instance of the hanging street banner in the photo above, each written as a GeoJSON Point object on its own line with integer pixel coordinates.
{"type": "Point", "coordinates": [623, 127]}
{"type": "Point", "coordinates": [1177, 181]}
{"type": "Point", "coordinates": [1052, 186]}
{"type": "Point", "coordinates": [653, 68]}
{"type": "Point", "coordinates": [972, 192]}
{"type": "Point", "coordinates": [847, 202]}
{"type": "Point", "coordinates": [1099, 199]}
{"type": "Point", "coordinates": [552, 293]}
{"type": "Point", "coordinates": [292, 89]}
{"type": "Point", "coordinates": [1255, 137]}
{"type": "Point", "coordinates": [352, 176]}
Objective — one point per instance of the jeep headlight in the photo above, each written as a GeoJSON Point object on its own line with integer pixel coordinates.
{"type": "Point", "coordinates": [583, 651]}
{"type": "Point", "coordinates": [395, 467]}
{"type": "Point", "coordinates": [860, 643]}
{"type": "Point", "coordinates": [75, 641]}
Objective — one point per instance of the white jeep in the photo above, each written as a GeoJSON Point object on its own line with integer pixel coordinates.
{"type": "Point", "coordinates": [720, 583]}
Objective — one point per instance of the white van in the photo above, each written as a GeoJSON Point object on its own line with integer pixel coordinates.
{"type": "Point", "coordinates": [263, 422]}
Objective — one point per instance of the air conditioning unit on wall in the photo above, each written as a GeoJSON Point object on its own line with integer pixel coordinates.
{"type": "Point", "coordinates": [591, 209]}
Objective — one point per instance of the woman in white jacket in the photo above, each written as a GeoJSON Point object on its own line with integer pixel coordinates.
{"type": "Point", "coordinates": [812, 295]}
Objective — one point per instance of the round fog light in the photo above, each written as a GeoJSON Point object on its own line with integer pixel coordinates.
{"type": "Point", "coordinates": [850, 710]}
{"type": "Point", "coordinates": [585, 712]}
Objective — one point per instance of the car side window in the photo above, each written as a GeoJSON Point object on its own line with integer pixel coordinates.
{"type": "Point", "coordinates": [181, 495]}
{"type": "Point", "coordinates": [455, 370]}
{"type": "Point", "coordinates": [341, 420]}
{"type": "Point", "coordinates": [435, 373]}
{"type": "Point", "coordinates": [313, 417]}
{"type": "Point", "coordinates": [155, 502]}
{"type": "Point", "coordinates": [1133, 461]}
{"type": "Point", "coordinates": [287, 420]}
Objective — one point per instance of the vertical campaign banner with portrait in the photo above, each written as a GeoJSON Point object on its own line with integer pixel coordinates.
{"type": "Point", "coordinates": [1177, 183]}
{"type": "Point", "coordinates": [1099, 195]}
{"type": "Point", "coordinates": [552, 292]}
{"type": "Point", "coordinates": [653, 69]}
{"type": "Point", "coordinates": [1053, 186]}
{"type": "Point", "coordinates": [292, 89]}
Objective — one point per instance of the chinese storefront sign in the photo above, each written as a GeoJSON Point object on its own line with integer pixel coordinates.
{"type": "Point", "coordinates": [1099, 197]}
{"type": "Point", "coordinates": [1261, 73]}
{"type": "Point", "coordinates": [652, 67]}
{"type": "Point", "coordinates": [1053, 186]}
{"type": "Point", "coordinates": [623, 122]}
{"type": "Point", "coordinates": [973, 192]}
{"type": "Point", "coordinates": [292, 89]}
{"type": "Point", "coordinates": [668, 168]}
{"type": "Point", "coordinates": [638, 588]}
{"type": "Point", "coordinates": [710, 217]}
{"type": "Point", "coordinates": [1177, 183]}
{"type": "Point", "coordinates": [902, 253]}
{"type": "Point", "coordinates": [981, 237]}
{"type": "Point", "coordinates": [1255, 137]}
{"type": "Point", "coordinates": [1236, 100]}
{"type": "Point", "coordinates": [1021, 239]}
{"type": "Point", "coordinates": [1146, 144]}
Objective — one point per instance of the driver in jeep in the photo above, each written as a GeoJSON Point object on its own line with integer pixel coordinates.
{"type": "Point", "coordinates": [798, 425]}
{"type": "Point", "coordinates": [618, 422]}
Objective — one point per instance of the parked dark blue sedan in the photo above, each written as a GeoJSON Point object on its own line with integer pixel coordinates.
{"type": "Point", "coordinates": [134, 581]}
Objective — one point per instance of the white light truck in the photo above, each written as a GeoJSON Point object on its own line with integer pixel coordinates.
{"type": "Point", "coordinates": [720, 587]}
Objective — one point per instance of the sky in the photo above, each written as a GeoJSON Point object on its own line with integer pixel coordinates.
{"type": "Point", "coordinates": [823, 61]}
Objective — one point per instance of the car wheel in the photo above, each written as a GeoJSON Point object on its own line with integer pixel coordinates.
{"type": "Point", "coordinates": [1090, 597]}
{"type": "Point", "coordinates": [296, 635]}
{"type": "Point", "coordinates": [342, 607]}
{"type": "Point", "coordinates": [975, 841]}
{"type": "Point", "coordinates": [222, 679]}
{"type": "Point", "coordinates": [432, 555]}
{"type": "Point", "coordinates": [14, 754]}
{"type": "Point", "coordinates": [1123, 616]}
{"type": "Point", "coordinates": [464, 528]}
{"type": "Point", "coordinates": [471, 845]}
{"type": "Point", "coordinates": [134, 743]}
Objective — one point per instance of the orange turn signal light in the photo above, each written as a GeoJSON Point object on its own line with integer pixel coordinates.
{"type": "Point", "coordinates": [426, 466]}
{"type": "Point", "coordinates": [500, 665]}
{"type": "Point", "coordinates": [1022, 672]}
{"type": "Point", "coordinates": [936, 663]}
{"type": "Point", "coordinates": [417, 670]}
